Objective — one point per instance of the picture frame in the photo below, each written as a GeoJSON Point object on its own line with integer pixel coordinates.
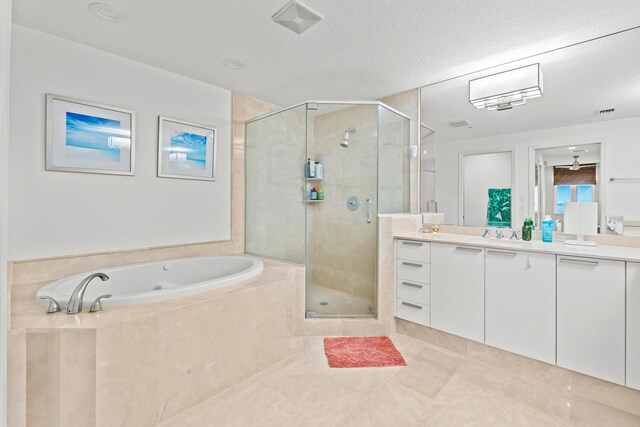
{"type": "Point", "coordinates": [186, 150]}
{"type": "Point", "coordinates": [88, 137]}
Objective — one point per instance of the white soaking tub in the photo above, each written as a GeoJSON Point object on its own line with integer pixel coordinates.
{"type": "Point", "coordinates": [153, 281]}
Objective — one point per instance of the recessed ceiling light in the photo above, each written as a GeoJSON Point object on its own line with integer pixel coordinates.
{"type": "Point", "coordinates": [571, 148]}
{"type": "Point", "coordinates": [234, 64]}
{"type": "Point", "coordinates": [107, 12]}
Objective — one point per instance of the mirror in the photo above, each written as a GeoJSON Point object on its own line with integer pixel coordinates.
{"type": "Point", "coordinates": [577, 142]}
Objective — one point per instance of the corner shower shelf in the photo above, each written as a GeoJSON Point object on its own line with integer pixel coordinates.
{"type": "Point", "coordinates": [313, 179]}
{"type": "Point", "coordinates": [313, 201]}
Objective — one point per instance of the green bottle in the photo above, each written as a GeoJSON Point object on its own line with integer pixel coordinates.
{"type": "Point", "coordinates": [527, 228]}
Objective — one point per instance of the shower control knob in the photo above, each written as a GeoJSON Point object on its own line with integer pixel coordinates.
{"type": "Point", "coordinates": [353, 203]}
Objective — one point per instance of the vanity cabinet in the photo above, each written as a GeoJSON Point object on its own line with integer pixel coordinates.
{"type": "Point", "coordinates": [633, 325]}
{"type": "Point", "coordinates": [520, 302]}
{"type": "Point", "coordinates": [591, 316]}
{"type": "Point", "coordinates": [457, 290]}
{"type": "Point", "coordinates": [413, 278]}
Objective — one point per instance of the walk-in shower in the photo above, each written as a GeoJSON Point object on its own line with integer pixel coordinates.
{"type": "Point", "coordinates": [326, 221]}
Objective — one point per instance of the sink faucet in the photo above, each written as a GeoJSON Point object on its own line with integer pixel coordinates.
{"type": "Point", "coordinates": [75, 302]}
{"type": "Point", "coordinates": [499, 234]}
{"type": "Point", "coordinates": [486, 233]}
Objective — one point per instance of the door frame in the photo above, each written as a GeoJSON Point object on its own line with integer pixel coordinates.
{"type": "Point", "coordinates": [600, 177]}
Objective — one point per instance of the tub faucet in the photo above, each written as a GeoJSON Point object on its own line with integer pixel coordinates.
{"type": "Point", "coordinates": [75, 302]}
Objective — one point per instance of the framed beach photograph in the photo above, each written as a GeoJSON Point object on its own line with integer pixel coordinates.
{"type": "Point", "coordinates": [83, 136]}
{"type": "Point", "coordinates": [186, 150]}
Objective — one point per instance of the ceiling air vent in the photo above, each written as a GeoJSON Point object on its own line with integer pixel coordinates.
{"type": "Point", "coordinates": [459, 123]}
{"type": "Point", "coordinates": [296, 17]}
{"type": "Point", "coordinates": [607, 111]}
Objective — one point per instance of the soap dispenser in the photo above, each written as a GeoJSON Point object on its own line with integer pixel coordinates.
{"type": "Point", "coordinates": [547, 229]}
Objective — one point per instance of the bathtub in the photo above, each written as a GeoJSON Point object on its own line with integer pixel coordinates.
{"type": "Point", "coordinates": [153, 281]}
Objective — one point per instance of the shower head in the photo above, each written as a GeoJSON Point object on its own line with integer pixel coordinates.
{"type": "Point", "coordinates": [345, 137]}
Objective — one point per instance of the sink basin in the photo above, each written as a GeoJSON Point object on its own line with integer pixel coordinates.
{"type": "Point", "coordinates": [494, 241]}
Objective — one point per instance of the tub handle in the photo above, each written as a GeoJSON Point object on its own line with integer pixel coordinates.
{"type": "Point", "coordinates": [54, 307]}
{"type": "Point", "coordinates": [97, 305]}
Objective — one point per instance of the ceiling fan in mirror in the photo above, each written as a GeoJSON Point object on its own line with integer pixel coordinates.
{"type": "Point", "coordinates": [576, 166]}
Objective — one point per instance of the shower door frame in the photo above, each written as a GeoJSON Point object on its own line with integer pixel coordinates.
{"type": "Point", "coordinates": [377, 233]}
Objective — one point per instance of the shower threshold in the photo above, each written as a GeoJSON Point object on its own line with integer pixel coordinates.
{"type": "Point", "coordinates": [343, 316]}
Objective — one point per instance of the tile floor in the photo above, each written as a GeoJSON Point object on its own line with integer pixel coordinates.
{"type": "Point", "coordinates": [436, 388]}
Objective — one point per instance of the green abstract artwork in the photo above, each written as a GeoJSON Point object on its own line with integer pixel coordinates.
{"type": "Point", "coordinates": [499, 207]}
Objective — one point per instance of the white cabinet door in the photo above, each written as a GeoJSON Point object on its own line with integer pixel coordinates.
{"type": "Point", "coordinates": [633, 325]}
{"type": "Point", "coordinates": [457, 290]}
{"type": "Point", "coordinates": [591, 317]}
{"type": "Point", "coordinates": [520, 303]}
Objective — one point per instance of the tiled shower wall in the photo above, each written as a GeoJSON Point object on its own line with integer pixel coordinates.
{"type": "Point", "coordinates": [341, 246]}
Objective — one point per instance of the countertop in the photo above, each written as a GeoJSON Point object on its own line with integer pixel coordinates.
{"type": "Point", "coordinates": [618, 253]}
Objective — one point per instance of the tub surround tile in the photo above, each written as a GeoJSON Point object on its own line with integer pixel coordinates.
{"type": "Point", "coordinates": [127, 373]}
{"type": "Point", "coordinates": [217, 358]}
{"type": "Point", "coordinates": [77, 379]}
{"type": "Point", "coordinates": [17, 379]}
{"type": "Point", "coordinates": [142, 364]}
{"type": "Point", "coordinates": [43, 379]}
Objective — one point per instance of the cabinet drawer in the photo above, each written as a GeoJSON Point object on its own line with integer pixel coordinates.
{"type": "Point", "coordinates": [413, 271]}
{"type": "Point", "coordinates": [413, 312]}
{"type": "Point", "coordinates": [414, 251]}
{"type": "Point", "coordinates": [413, 291]}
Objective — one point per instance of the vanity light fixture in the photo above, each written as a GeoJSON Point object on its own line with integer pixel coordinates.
{"type": "Point", "coordinates": [107, 12]}
{"type": "Point", "coordinates": [505, 90]}
{"type": "Point", "coordinates": [296, 17]}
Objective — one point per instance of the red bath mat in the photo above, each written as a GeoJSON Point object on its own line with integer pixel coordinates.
{"type": "Point", "coordinates": [362, 352]}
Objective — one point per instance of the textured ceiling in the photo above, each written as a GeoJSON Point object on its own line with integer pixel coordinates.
{"type": "Point", "coordinates": [363, 49]}
{"type": "Point", "coordinates": [579, 81]}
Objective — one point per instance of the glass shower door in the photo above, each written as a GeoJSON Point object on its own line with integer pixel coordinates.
{"type": "Point", "coordinates": [342, 228]}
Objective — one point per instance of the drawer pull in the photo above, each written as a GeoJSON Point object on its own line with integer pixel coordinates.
{"type": "Point", "coordinates": [408, 304]}
{"type": "Point", "coordinates": [411, 264]}
{"type": "Point", "coordinates": [413, 285]}
{"type": "Point", "coordinates": [465, 249]}
{"type": "Point", "coordinates": [502, 253]}
{"type": "Point", "coordinates": [412, 243]}
{"type": "Point", "coordinates": [580, 262]}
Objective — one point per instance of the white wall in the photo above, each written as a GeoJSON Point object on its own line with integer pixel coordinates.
{"type": "Point", "coordinates": [5, 56]}
{"type": "Point", "coordinates": [620, 154]}
{"type": "Point", "coordinates": [482, 172]}
{"type": "Point", "coordinates": [60, 213]}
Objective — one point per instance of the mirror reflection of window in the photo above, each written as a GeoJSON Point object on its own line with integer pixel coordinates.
{"type": "Point", "coordinates": [572, 193]}
{"type": "Point", "coordinates": [570, 174]}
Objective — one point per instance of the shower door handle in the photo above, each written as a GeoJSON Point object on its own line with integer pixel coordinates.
{"type": "Point", "coordinates": [368, 211]}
